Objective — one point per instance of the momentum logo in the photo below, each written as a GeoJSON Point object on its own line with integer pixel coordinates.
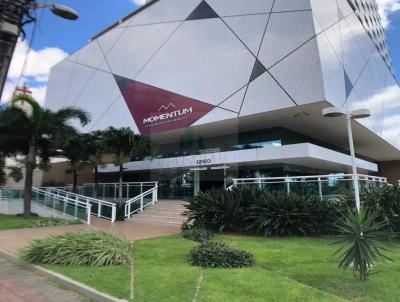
{"type": "Point", "coordinates": [165, 117]}
{"type": "Point", "coordinates": [156, 110]}
{"type": "Point", "coordinates": [165, 108]}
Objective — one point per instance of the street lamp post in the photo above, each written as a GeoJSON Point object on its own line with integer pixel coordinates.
{"type": "Point", "coordinates": [14, 14]}
{"type": "Point", "coordinates": [354, 114]}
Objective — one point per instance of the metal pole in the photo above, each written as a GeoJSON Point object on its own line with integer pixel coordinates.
{"type": "Point", "coordinates": [287, 180]}
{"type": "Point", "coordinates": [320, 188]}
{"type": "Point", "coordinates": [353, 161]}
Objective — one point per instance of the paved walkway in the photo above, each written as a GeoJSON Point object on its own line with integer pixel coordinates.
{"type": "Point", "coordinates": [20, 285]}
{"type": "Point", "coordinates": [13, 240]}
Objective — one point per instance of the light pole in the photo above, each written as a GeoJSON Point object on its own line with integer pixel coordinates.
{"type": "Point", "coordinates": [14, 14]}
{"type": "Point", "coordinates": [354, 114]}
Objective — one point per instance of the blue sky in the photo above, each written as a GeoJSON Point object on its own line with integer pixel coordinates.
{"type": "Point", "coordinates": [56, 37]}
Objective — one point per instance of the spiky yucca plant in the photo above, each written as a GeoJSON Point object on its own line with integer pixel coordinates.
{"type": "Point", "coordinates": [92, 248]}
{"type": "Point", "coordinates": [361, 238]}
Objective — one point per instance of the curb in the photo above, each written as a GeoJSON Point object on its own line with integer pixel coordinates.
{"type": "Point", "coordinates": [84, 290]}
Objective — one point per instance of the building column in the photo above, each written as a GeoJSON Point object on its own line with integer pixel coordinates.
{"type": "Point", "coordinates": [196, 181]}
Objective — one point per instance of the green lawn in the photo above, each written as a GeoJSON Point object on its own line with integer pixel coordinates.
{"type": "Point", "coordinates": [285, 269]}
{"type": "Point", "coordinates": [13, 222]}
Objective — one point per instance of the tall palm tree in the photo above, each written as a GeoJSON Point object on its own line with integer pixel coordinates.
{"type": "Point", "coordinates": [124, 145]}
{"type": "Point", "coordinates": [75, 149]}
{"type": "Point", "coordinates": [33, 134]}
{"type": "Point", "coordinates": [96, 148]}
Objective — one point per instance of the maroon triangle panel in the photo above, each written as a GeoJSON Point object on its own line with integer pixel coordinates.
{"type": "Point", "coordinates": [157, 110]}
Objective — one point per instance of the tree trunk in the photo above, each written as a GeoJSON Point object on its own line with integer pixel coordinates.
{"type": "Point", "coordinates": [96, 182]}
{"type": "Point", "coordinates": [121, 175]}
{"type": "Point", "coordinates": [29, 167]}
{"type": "Point", "coordinates": [75, 181]}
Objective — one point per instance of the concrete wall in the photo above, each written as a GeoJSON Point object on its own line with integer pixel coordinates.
{"type": "Point", "coordinates": [391, 170]}
{"type": "Point", "coordinates": [17, 207]}
{"type": "Point", "coordinates": [37, 179]}
{"type": "Point", "coordinates": [56, 174]}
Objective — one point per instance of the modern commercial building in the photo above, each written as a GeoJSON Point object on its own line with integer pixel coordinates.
{"type": "Point", "coordinates": [235, 88]}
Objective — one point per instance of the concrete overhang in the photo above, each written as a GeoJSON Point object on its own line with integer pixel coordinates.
{"type": "Point", "coordinates": [304, 119]}
{"type": "Point", "coordinates": [306, 155]}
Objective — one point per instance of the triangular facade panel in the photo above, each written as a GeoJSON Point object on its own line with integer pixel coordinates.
{"type": "Point", "coordinates": [264, 94]}
{"type": "Point", "coordinates": [202, 11]}
{"type": "Point", "coordinates": [300, 74]}
{"type": "Point", "coordinates": [91, 55]}
{"type": "Point", "coordinates": [127, 58]}
{"type": "Point", "coordinates": [290, 5]}
{"type": "Point", "coordinates": [164, 12]}
{"type": "Point", "coordinates": [109, 39]}
{"type": "Point", "coordinates": [249, 28]}
{"type": "Point", "coordinates": [116, 115]}
{"type": "Point", "coordinates": [209, 71]}
{"type": "Point", "coordinates": [234, 103]}
{"type": "Point", "coordinates": [285, 33]}
{"type": "Point", "coordinates": [226, 8]}
{"type": "Point", "coordinates": [157, 110]}
{"type": "Point", "coordinates": [258, 69]}
{"type": "Point", "coordinates": [217, 114]}
{"type": "Point", "coordinates": [348, 84]}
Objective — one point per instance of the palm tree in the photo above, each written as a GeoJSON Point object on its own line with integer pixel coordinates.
{"type": "Point", "coordinates": [75, 149]}
{"type": "Point", "coordinates": [96, 149]}
{"type": "Point", "coordinates": [124, 145]}
{"type": "Point", "coordinates": [33, 134]}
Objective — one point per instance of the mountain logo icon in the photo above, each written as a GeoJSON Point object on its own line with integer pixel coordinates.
{"type": "Point", "coordinates": [165, 108]}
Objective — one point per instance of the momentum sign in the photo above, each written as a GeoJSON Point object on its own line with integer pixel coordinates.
{"type": "Point", "coordinates": [156, 110]}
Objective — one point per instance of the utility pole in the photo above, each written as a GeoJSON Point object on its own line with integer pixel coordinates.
{"type": "Point", "coordinates": [14, 14]}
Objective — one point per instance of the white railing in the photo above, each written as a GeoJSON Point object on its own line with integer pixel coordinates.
{"type": "Point", "coordinates": [320, 185]}
{"type": "Point", "coordinates": [104, 209]}
{"type": "Point", "coordinates": [138, 203]}
{"type": "Point", "coordinates": [110, 191]}
{"type": "Point", "coordinates": [65, 205]}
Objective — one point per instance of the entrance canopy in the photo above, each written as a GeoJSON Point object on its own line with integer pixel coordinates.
{"type": "Point", "coordinates": [305, 154]}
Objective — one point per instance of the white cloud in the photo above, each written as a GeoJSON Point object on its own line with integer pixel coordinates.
{"type": "Point", "coordinates": [138, 2]}
{"type": "Point", "coordinates": [37, 69]}
{"type": "Point", "coordinates": [386, 7]}
{"type": "Point", "coordinates": [39, 62]}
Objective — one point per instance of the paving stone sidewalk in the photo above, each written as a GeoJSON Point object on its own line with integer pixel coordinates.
{"type": "Point", "coordinates": [12, 241]}
{"type": "Point", "coordinates": [20, 285]}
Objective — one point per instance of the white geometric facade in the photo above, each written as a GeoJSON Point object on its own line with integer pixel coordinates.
{"type": "Point", "coordinates": [231, 59]}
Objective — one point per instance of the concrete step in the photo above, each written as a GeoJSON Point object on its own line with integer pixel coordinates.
{"type": "Point", "coordinates": [161, 213]}
{"type": "Point", "coordinates": [166, 216]}
{"type": "Point", "coordinates": [170, 209]}
{"type": "Point", "coordinates": [157, 221]}
{"type": "Point", "coordinates": [168, 212]}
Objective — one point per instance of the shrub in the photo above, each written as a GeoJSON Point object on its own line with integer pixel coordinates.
{"type": "Point", "coordinates": [217, 254]}
{"type": "Point", "coordinates": [288, 215]}
{"type": "Point", "coordinates": [222, 210]}
{"type": "Point", "coordinates": [51, 221]}
{"type": "Point", "coordinates": [93, 248]}
{"type": "Point", "coordinates": [361, 236]}
{"type": "Point", "coordinates": [385, 198]}
{"type": "Point", "coordinates": [196, 233]}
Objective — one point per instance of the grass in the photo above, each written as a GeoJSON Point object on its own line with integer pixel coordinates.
{"type": "Point", "coordinates": [14, 222]}
{"type": "Point", "coordinates": [285, 269]}
{"type": "Point", "coordinates": [8, 222]}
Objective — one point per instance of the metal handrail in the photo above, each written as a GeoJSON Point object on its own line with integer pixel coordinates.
{"type": "Point", "coordinates": [124, 183]}
{"type": "Point", "coordinates": [67, 200]}
{"type": "Point", "coordinates": [307, 178]}
{"type": "Point", "coordinates": [87, 200]}
{"type": "Point", "coordinates": [128, 204]}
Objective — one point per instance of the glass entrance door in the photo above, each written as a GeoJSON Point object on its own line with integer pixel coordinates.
{"type": "Point", "coordinates": [211, 179]}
